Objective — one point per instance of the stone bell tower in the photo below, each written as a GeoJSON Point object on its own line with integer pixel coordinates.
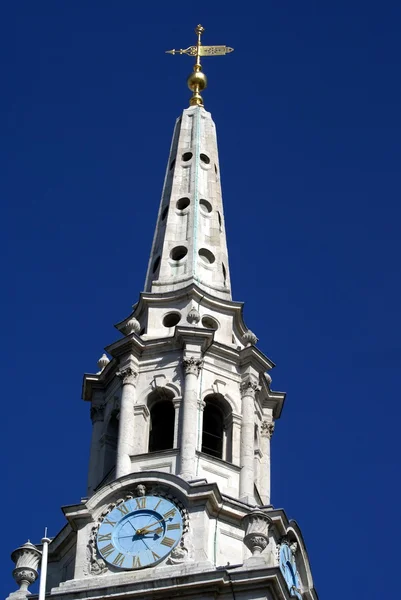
{"type": "Point", "coordinates": [183, 413]}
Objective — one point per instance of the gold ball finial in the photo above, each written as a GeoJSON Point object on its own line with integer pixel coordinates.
{"type": "Point", "coordinates": [197, 81]}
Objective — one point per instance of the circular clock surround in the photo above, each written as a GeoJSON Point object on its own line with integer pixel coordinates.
{"type": "Point", "coordinates": [140, 532]}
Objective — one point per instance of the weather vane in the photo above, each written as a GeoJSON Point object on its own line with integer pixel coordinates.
{"type": "Point", "coordinates": [197, 81]}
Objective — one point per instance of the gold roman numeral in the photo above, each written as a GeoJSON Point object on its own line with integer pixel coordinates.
{"type": "Point", "coordinates": [167, 542]}
{"type": "Point", "coordinates": [124, 510]}
{"type": "Point", "coordinates": [171, 526]}
{"type": "Point", "coordinates": [140, 502]}
{"type": "Point", "coordinates": [119, 560]}
{"type": "Point", "coordinates": [136, 562]}
{"type": "Point", "coordinates": [170, 513]}
{"type": "Point", "coordinates": [107, 550]}
{"type": "Point", "coordinates": [103, 538]}
{"type": "Point", "coordinates": [155, 556]}
{"type": "Point", "coordinates": [109, 522]}
{"type": "Point", "coordinates": [158, 503]}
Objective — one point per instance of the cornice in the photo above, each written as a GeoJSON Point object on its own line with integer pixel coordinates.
{"type": "Point", "coordinates": [205, 581]}
{"type": "Point", "coordinates": [252, 356]}
{"type": "Point", "coordinates": [194, 293]}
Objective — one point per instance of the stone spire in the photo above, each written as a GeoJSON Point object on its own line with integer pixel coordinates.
{"type": "Point", "coordinates": [190, 245]}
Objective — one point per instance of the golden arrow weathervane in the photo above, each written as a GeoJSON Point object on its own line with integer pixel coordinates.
{"type": "Point", "coordinates": [197, 81]}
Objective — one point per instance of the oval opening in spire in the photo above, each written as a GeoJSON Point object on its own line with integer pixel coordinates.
{"type": "Point", "coordinates": [207, 256]}
{"type": "Point", "coordinates": [182, 203]}
{"type": "Point", "coordinates": [205, 206]}
{"type": "Point", "coordinates": [178, 252]}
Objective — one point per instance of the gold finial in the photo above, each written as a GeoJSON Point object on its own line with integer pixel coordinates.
{"type": "Point", "coordinates": [197, 80]}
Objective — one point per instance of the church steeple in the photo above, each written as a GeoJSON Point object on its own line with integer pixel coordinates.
{"type": "Point", "coordinates": [182, 416]}
{"type": "Point", "coordinates": [190, 239]}
{"type": "Point", "coordinates": [189, 244]}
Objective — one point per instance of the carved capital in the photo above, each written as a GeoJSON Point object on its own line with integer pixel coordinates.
{"type": "Point", "coordinates": [128, 376]}
{"type": "Point", "coordinates": [249, 387]}
{"type": "Point", "coordinates": [192, 365]}
{"type": "Point", "coordinates": [97, 412]}
{"type": "Point", "coordinates": [267, 429]}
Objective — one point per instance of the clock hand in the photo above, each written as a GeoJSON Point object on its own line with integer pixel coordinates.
{"type": "Point", "coordinates": [136, 530]}
{"type": "Point", "coordinates": [146, 528]}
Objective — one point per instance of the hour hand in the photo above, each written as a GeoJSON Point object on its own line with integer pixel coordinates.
{"type": "Point", "coordinates": [148, 528]}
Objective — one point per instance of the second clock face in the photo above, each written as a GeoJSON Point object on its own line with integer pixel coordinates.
{"type": "Point", "coordinates": [140, 532]}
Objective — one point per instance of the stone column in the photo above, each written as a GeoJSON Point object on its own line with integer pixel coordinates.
{"type": "Point", "coordinates": [249, 388]}
{"type": "Point", "coordinates": [126, 422]}
{"type": "Point", "coordinates": [192, 366]}
{"type": "Point", "coordinates": [97, 416]}
{"type": "Point", "coordinates": [266, 433]}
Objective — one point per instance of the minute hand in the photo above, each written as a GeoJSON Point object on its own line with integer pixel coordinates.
{"type": "Point", "coordinates": [147, 528]}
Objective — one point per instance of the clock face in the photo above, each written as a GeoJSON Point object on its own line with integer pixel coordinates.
{"type": "Point", "coordinates": [289, 570]}
{"type": "Point", "coordinates": [140, 532]}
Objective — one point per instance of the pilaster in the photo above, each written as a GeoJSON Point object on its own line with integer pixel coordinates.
{"type": "Point", "coordinates": [128, 376]}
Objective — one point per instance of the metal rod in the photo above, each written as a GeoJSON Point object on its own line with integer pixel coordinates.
{"type": "Point", "coordinates": [43, 566]}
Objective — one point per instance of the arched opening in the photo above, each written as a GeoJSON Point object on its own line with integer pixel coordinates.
{"type": "Point", "coordinates": [217, 427]}
{"type": "Point", "coordinates": [212, 435]}
{"type": "Point", "coordinates": [162, 415]}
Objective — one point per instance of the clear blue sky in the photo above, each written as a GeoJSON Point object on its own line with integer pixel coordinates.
{"type": "Point", "coordinates": [308, 115]}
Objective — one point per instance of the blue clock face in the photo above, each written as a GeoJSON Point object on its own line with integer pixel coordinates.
{"type": "Point", "coordinates": [289, 570]}
{"type": "Point", "coordinates": [139, 533]}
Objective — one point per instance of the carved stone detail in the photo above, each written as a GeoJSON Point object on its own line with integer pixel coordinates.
{"type": "Point", "coordinates": [249, 338]}
{"type": "Point", "coordinates": [140, 490]}
{"type": "Point", "coordinates": [97, 566]}
{"type": "Point", "coordinates": [26, 559]}
{"type": "Point", "coordinates": [294, 548]}
{"type": "Point", "coordinates": [103, 362]}
{"type": "Point", "coordinates": [97, 412]}
{"type": "Point", "coordinates": [132, 326]}
{"type": "Point", "coordinates": [178, 555]}
{"type": "Point", "coordinates": [249, 387]}
{"type": "Point", "coordinates": [256, 525]}
{"type": "Point", "coordinates": [24, 577]}
{"type": "Point", "coordinates": [128, 376]}
{"type": "Point", "coordinates": [267, 429]}
{"type": "Point", "coordinates": [193, 316]}
{"type": "Point", "coordinates": [192, 365]}
{"type": "Point", "coordinates": [256, 544]}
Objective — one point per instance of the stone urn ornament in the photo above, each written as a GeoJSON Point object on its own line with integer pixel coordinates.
{"type": "Point", "coordinates": [26, 559]}
{"type": "Point", "coordinates": [256, 539]}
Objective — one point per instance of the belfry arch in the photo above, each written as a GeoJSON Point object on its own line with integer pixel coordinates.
{"type": "Point", "coordinates": [217, 427]}
{"type": "Point", "coordinates": [161, 420]}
